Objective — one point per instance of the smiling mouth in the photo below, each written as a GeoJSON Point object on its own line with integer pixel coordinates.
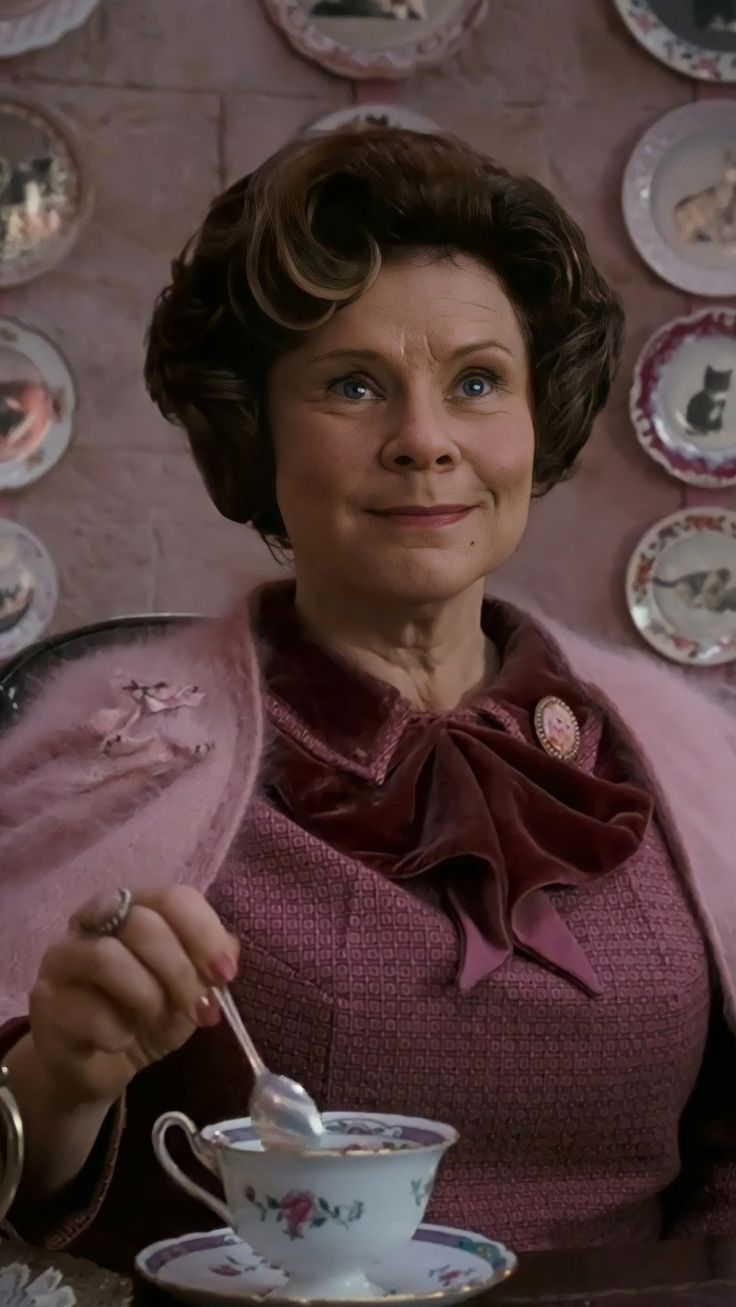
{"type": "Point", "coordinates": [434, 516]}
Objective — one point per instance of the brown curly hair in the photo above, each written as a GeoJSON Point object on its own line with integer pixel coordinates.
{"type": "Point", "coordinates": [284, 248]}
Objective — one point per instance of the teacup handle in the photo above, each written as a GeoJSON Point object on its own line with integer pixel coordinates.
{"type": "Point", "coordinates": [201, 1152]}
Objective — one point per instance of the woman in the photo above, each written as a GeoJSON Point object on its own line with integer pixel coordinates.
{"type": "Point", "coordinates": [451, 863]}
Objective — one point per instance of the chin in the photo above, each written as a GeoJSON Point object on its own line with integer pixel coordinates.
{"type": "Point", "coordinates": [420, 583]}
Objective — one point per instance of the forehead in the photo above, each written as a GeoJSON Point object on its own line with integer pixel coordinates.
{"type": "Point", "coordinates": [423, 295]}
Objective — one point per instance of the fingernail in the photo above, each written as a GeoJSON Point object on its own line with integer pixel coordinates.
{"type": "Point", "coordinates": [224, 969]}
{"type": "Point", "coordinates": [207, 1011]}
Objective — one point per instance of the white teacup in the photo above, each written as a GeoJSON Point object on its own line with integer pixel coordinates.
{"type": "Point", "coordinates": [327, 1215]}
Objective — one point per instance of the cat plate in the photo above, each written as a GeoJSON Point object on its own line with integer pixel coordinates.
{"type": "Point", "coordinates": [31, 24]}
{"type": "Point", "coordinates": [372, 115]}
{"type": "Point", "coordinates": [440, 1265]}
{"type": "Point", "coordinates": [28, 588]}
{"type": "Point", "coordinates": [681, 587]}
{"type": "Point", "coordinates": [697, 37]}
{"type": "Point", "coordinates": [45, 191]}
{"type": "Point", "coordinates": [38, 400]}
{"type": "Point", "coordinates": [376, 38]}
{"type": "Point", "coordinates": [679, 197]}
{"type": "Point", "coordinates": [683, 398]}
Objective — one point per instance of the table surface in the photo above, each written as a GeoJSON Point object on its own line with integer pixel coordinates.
{"type": "Point", "coordinates": [681, 1274]}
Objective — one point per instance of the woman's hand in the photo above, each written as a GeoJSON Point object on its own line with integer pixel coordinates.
{"type": "Point", "coordinates": [104, 1008]}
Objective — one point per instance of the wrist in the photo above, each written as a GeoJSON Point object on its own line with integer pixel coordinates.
{"type": "Point", "coordinates": [55, 1091]}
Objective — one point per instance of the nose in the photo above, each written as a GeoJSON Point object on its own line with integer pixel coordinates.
{"type": "Point", "coordinates": [419, 436]}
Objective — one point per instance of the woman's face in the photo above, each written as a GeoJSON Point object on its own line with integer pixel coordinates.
{"type": "Point", "coordinates": [403, 435]}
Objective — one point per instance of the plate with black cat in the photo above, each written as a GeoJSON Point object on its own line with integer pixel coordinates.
{"type": "Point", "coordinates": [681, 587]}
{"type": "Point", "coordinates": [683, 398]}
{"type": "Point", "coordinates": [697, 37]}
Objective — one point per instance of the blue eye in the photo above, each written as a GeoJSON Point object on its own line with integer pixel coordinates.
{"type": "Point", "coordinates": [476, 385]}
{"type": "Point", "coordinates": [352, 388]}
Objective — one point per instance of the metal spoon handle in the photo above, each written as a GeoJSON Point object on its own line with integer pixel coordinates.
{"type": "Point", "coordinates": [232, 1016]}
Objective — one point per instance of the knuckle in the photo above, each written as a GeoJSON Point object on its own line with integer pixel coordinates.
{"type": "Point", "coordinates": [103, 964]}
{"type": "Point", "coordinates": [179, 899]}
{"type": "Point", "coordinates": [183, 981]}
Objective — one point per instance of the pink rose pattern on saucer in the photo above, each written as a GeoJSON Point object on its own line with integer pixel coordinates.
{"type": "Point", "coordinates": [440, 1263]}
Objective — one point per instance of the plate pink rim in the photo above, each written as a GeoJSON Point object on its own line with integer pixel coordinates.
{"type": "Point", "coordinates": [695, 469]}
{"type": "Point", "coordinates": [443, 40]}
{"type": "Point", "coordinates": [675, 51]}
{"type": "Point", "coordinates": [679, 648]}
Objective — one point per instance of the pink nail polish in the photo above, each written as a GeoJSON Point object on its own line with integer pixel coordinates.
{"type": "Point", "coordinates": [224, 969]}
{"type": "Point", "coordinates": [207, 1011]}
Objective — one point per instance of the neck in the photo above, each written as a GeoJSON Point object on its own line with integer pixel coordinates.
{"type": "Point", "coordinates": [436, 655]}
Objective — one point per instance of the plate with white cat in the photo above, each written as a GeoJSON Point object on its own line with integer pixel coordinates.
{"type": "Point", "coordinates": [683, 397]}
{"type": "Point", "coordinates": [679, 197]}
{"type": "Point", "coordinates": [681, 587]}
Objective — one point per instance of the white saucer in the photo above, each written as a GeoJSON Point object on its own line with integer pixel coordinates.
{"type": "Point", "coordinates": [441, 1265]}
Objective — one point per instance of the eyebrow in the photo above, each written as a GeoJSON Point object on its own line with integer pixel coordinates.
{"type": "Point", "coordinates": [375, 354]}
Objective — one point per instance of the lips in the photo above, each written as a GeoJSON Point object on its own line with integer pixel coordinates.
{"type": "Point", "coordinates": [418, 515]}
{"type": "Point", "coordinates": [420, 510]}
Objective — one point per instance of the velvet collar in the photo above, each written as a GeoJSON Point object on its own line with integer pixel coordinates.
{"type": "Point", "coordinates": [468, 798]}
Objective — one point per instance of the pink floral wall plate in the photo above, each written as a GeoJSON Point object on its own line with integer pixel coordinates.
{"type": "Point", "coordinates": [440, 1265]}
{"type": "Point", "coordinates": [681, 587]}
{"type": "Point", "coordinates": [376, 38]}
{"type": "Point", "coordinates": [696, 37]}
{"type": "Point", "coordinates": [28, 588]}
{"type": "Point", "coordinates": [683, 397]}
{"type": "Point", "coordinates": [38, 400]}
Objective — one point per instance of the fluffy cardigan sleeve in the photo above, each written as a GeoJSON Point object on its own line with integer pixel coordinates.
{"type": "Point", "coordinates": [132, 767]}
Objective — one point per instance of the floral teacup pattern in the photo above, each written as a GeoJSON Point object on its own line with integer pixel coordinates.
{"type": "Point", "coordinates": [300, 1211]}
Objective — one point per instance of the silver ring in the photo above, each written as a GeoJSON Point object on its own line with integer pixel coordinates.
{"type": "Point", "coordinates": [109, 923]}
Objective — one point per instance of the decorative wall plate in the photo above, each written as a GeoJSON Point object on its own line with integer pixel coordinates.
{"type": "Point", "coordinates": [376, 38]}
{"type": "Point", "coordinates": [45, 194]}
{"type": "Point", "coordinates": [373, 115]}
{"type": "Point", "coordinates": [681, 587]}
{"type": "Point", "coordinates": [30, 24]}
{"type": "Point", "coordinates": [679, 197]}
{"type": "Point", "coordinates": [33, 24]}
{"type": "Point", "coordinates": [38, 400]}
{"type": "Point", "coordinates": [28, 588]}
{"type": "Point", "coordinates": [697, 37]}
{"type": "Point", "coordinates": [683, 397]}
{"type": "Point", "coordinates": [440, 1266]}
